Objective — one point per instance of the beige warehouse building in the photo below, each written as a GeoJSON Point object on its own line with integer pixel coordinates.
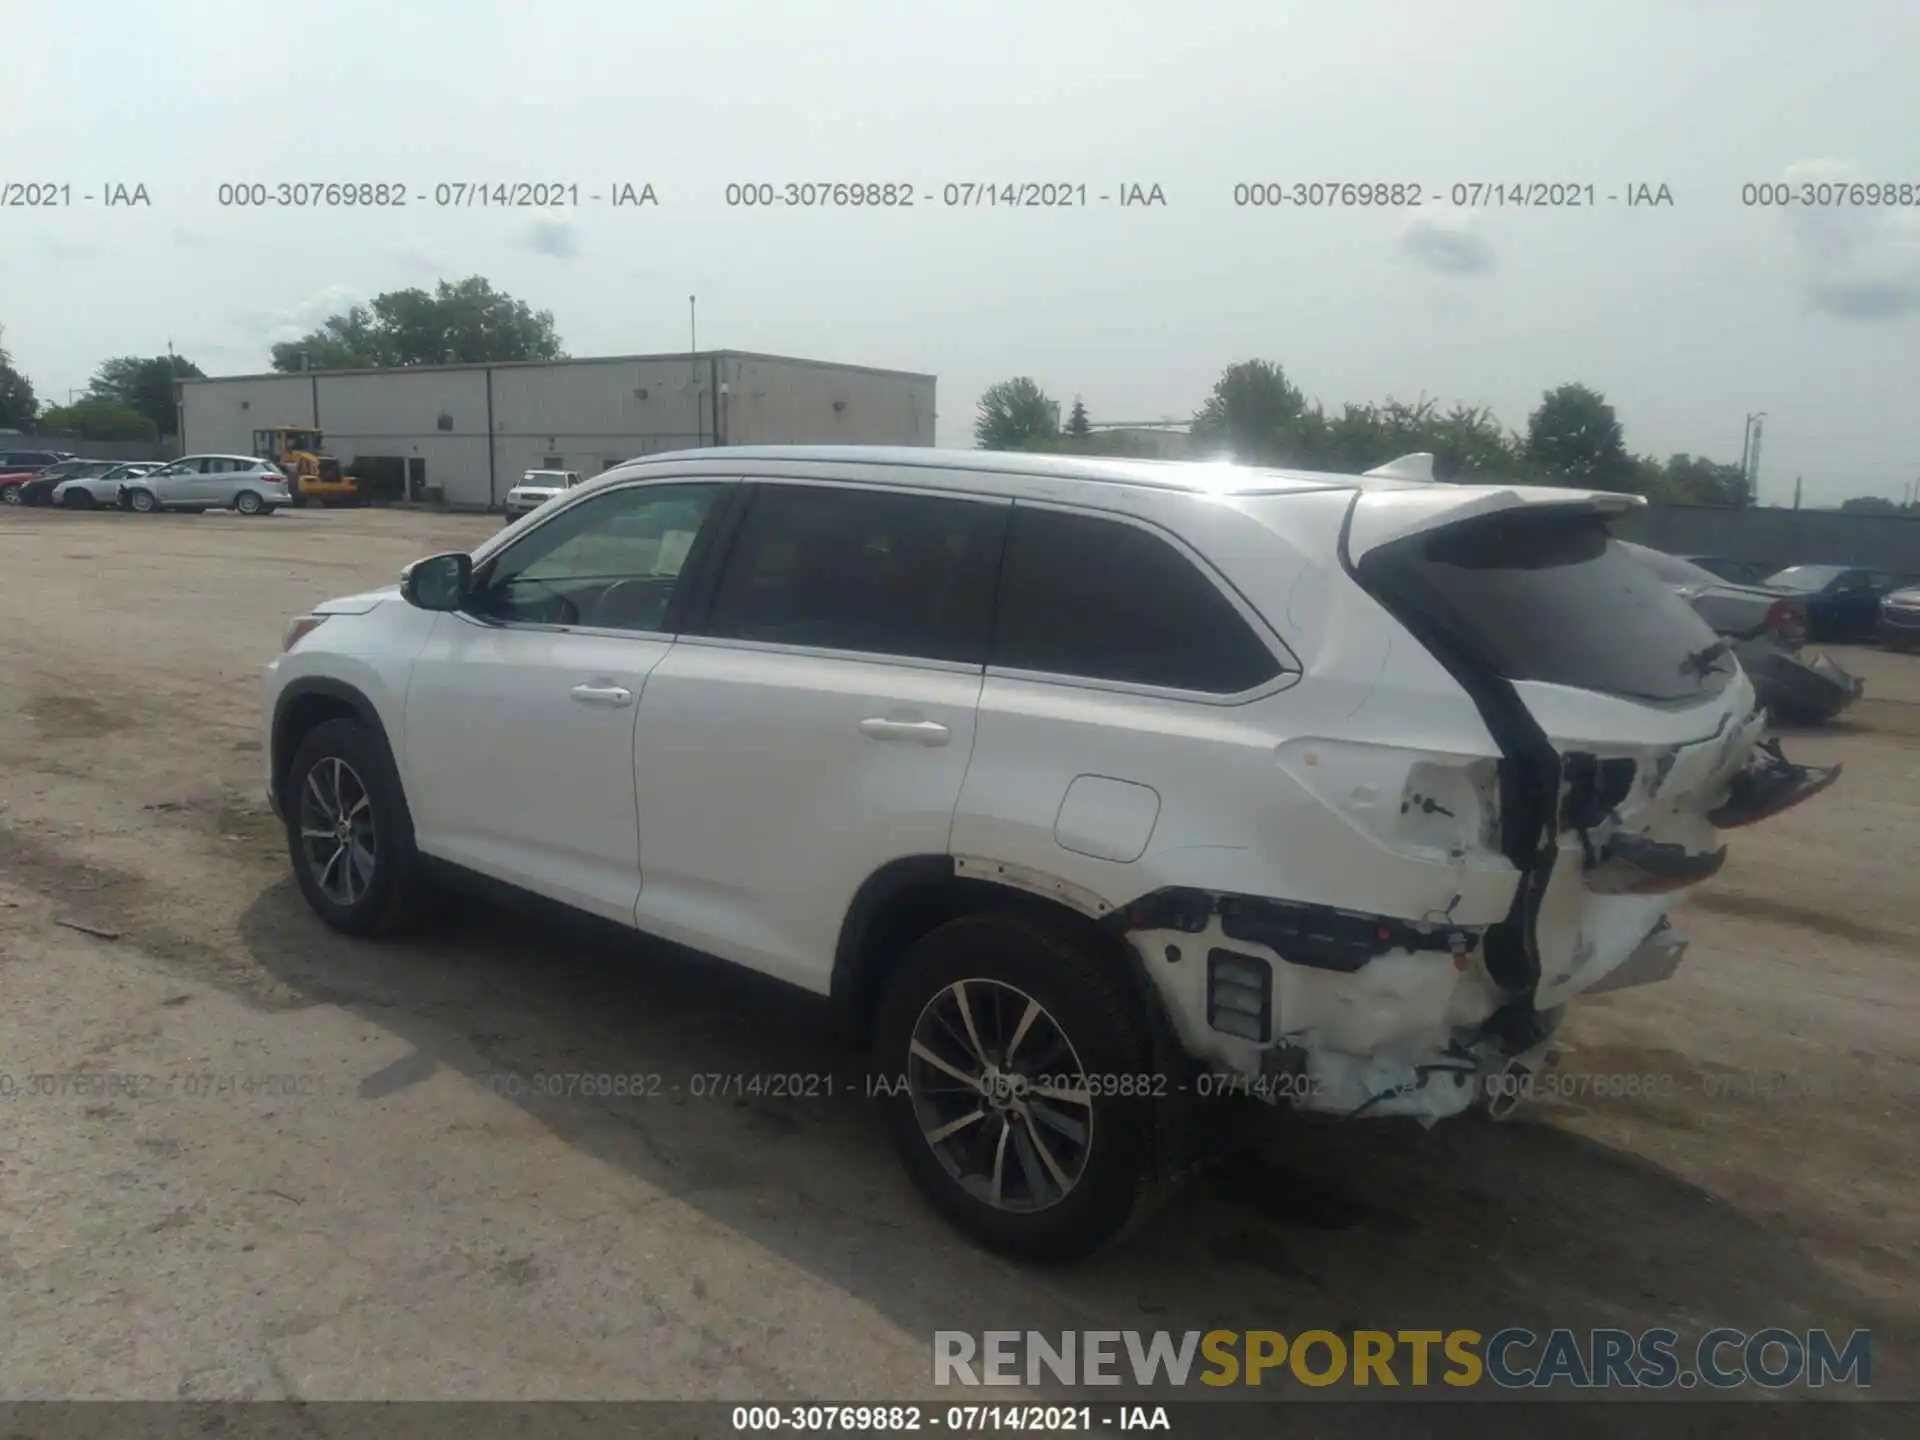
{"type": "Point", "coordinates": [464, 434]}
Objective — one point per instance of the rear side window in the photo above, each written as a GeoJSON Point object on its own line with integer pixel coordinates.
{"type": "Point", "coordinates": [835, 568]}
{"type": "Point", "coordinates": [1553, 598]}
{"type": "Point", "coordinates": [1103, 600]}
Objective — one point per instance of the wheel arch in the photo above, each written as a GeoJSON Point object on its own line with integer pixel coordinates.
{"type": "Point", "coordinates": [910, 897]}
{"type": "Point", "coordinates": [311, 701]}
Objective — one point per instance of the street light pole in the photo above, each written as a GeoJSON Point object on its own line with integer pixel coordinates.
{"type": "Point", "coordinates": [1750, 452]}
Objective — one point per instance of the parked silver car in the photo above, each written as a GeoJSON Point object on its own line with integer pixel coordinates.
{"type": "Point", "coordinates": [100, 484]}
{"type": "Point", "coordinates": [197, 483]}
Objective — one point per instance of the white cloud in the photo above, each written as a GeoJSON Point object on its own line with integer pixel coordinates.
{"type": "Point", "coordinates": [552, 237]}
{"type": "Point", "coordinates": [1447, 243]}
{"type": "Point", "coordinates": [1854, 261]}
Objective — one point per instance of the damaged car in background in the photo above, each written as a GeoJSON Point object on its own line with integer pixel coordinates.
{"type": "Point", "coordinates": [1767, 630]}
{"type": "Point", "coordinates": [1089, 790]}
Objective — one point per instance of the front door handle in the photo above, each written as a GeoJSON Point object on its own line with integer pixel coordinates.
{"type": "Point", "coordinates": [614, 695]}
{"type": "Point", "coordinates": [916, 732]}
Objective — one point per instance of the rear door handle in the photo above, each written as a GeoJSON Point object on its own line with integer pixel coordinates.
{"type": "Point", "coordinates": [916, 732]}
{"type": "Point", "coordinates": [614, 695]}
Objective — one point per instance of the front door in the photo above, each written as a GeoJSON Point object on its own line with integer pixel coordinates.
{"type": "Point", "coordinates": [520, 711]}
{"type": "Point", "coordinates": [817, 722]}
{"type": "Point", "coordinates": [178, 483]}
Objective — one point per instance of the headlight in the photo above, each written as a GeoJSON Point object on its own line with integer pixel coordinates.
{"type": "Point", "coordinates": [299, 629]}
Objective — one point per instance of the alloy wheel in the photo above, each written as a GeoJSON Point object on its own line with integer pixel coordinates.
{"type": "Point", "coordinates": [1000, 1095]}
{"type": "Point", "coordinates": [336, 831]}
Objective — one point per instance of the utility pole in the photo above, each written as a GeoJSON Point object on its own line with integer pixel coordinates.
{"type": "Point", "coordinates": [1796, 492]}
{"type": "Point", "coordinates": [1750, 454]}
{"type": "Point", "coordinates": [693, 370]}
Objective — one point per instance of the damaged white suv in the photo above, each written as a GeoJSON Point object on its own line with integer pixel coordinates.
{"type": "Point", "coordinates": [1092, 791]}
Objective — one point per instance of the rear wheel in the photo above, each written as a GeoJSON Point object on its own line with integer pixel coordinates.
{"type": "Point", "coordinates": [349, 833]}
{"type": "Point", "coordinates": [10, 495]}
{"type": "Point", "coordinates": [1021, 1086]}
{"type": "Point", "coordinates": [247, 502]}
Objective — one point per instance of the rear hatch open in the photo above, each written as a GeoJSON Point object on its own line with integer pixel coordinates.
{"type": "Point", "coordinates": [1630, 736]}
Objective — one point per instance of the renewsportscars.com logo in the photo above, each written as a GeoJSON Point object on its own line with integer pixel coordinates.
{"type": "Point", "coordinates": [1510, 1359]}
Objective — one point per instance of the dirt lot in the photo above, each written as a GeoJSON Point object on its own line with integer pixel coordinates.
{"type": "Point", "coordinates": [403, 1228]}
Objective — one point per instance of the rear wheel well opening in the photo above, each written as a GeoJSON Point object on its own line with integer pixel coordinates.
{"type": "Point", "coordinates": [875, 945]}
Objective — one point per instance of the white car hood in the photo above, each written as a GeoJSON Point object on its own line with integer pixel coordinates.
{"type": "Point", "coordinates": [357, 604]}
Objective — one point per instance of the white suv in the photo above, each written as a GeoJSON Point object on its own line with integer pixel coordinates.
{"type": "Point", "coordinates": [1092, 791]}
{"type": "Point", "coordinates": [536, 487]}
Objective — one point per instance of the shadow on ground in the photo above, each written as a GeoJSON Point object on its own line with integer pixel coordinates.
{"type": "Point", "coordinates": [1380, 1225]}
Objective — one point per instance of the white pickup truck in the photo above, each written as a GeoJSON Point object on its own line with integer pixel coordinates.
{"type": "Point", "coordinates": [536, 487]}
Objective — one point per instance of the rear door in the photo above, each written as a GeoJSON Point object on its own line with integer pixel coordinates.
{"type": "Point", "coordinates": [1624, 717]}
{"type": "Point", "coordinates": [816, 722]}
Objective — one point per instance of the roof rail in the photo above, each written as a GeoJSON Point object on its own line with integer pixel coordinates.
{"type": "Point", "coordinates": [1417, 466]}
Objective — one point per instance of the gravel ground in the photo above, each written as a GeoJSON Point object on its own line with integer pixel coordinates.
{"type": "Point", "coordinates": [399, 1226]}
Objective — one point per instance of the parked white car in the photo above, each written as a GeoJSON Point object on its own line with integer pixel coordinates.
{"type": "Point", "coordinates": [1091, 790]}
{"type": "Point", "coordinates": [102, 488]}
{"type": "Point", "coordinates": [536, 487]}
{"type": "Point", "coordinates": [198, 483]}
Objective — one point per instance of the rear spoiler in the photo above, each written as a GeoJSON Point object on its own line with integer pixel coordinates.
{"type": "Point", "coordinates": [1381, 516]}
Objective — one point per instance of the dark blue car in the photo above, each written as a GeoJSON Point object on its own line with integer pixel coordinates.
{"type": "Point", "coordinates": [1843, 601]}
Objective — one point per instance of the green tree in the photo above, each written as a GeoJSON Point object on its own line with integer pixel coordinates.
{"type": "Point", "coordinates": [1077, 422]}
{"type": "Point", "coordinates": [145, 385]}
{"type": "Point", "coordinates": [18, 407]}
{"type": "Point", "coordinates": [93, 418]}
{"type": "Point", "coordinates": [1696, 480]}
{"type": "Point", "coordinates": [1012, 413]}
{"type": "Point", "coordinates": [465, 323]}
{"type": "Point", "coordinates": [1467, 443]}
{"type": "Point", "coordinates": [1574, 438]}
{"type": "Point", "coordinates": [1251, 404]}
{"type": "Point", "coordinates": [1872, 505]}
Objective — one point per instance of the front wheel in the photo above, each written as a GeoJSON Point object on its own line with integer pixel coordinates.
{"type": "Point", "coordinates": [349, 833]}
{"type": "Point", "coordinates": [1020, 1085]}
{"type": "Point", "coordinates": [77, 500]}
{"type": "Point", "coordinates": [142, 502]}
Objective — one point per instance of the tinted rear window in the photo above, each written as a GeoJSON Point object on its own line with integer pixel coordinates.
{"type": "Point", "coordinates": [839, 568]}
{"type": "Point", "coordinates": [1554, 598]}
{"type": "Point", "coordinates": [1099, 599]}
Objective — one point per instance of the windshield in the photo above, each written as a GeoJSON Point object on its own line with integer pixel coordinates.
{"type": "Point", "coordinates": [545, 479]}
{"type": "Point", "coordinates": [1670, 568]}
{"type": "Point", "coordinates": [1807, 578]}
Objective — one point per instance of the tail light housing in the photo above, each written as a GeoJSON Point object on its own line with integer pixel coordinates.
{"type": "Point", "coordinates": [1787, 620]}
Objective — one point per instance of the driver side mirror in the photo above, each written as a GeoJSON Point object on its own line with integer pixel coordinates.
{"type": "Point", "coordinates": [440, 582]}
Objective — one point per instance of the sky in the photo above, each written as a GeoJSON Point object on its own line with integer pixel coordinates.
{"type": "Point", "coordinates": [1688, 315]}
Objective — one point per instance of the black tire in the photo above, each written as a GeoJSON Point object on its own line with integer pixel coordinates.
{"type": "Point", "coordinates": [247, 502]}
{"type": "Point", "coordinates": [141, 502]}
{"type": "Point", "coordinates": [1123, 1175]}
{"type": "Point", "coordinates": [392, 894]}
{"type": "Point", "coordinates": [10, 495]}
